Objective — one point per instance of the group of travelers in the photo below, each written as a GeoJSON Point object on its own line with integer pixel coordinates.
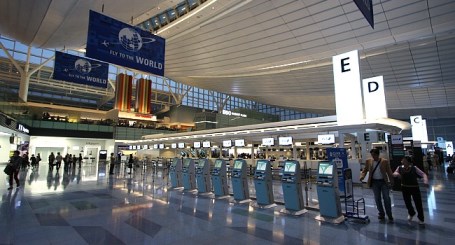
{"type": "Point", "coordinates": [381, 179]}
{"type": "Point", "coordinates": [69, 161]}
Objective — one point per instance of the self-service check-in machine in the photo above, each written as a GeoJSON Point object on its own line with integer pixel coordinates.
{"type": "Point", "coordinates": [328, 194]}
{"type": "Point", "coordinates": [292, 188]}
{"type": "Point", "coordinates": [203, 176]}
{"type": "Point", "coordinates": [263, 183]}
{"type": "Point", "coordinates": [188, 174]}
{"type": "Point", "coordinates": [219, 179]}
{"type": "Point", "coordinates": [175, 173]}
{"type": "Point", "coordinates": [240, 181]}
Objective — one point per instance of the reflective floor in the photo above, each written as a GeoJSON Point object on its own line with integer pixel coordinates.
{"type": "Point", "coordinates": [86, 206]}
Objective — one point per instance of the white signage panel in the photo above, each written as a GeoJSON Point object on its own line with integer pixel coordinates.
{"type": "Point", "coordinates": [284, 140]}
{"type": "Point", "coordinates": [348, 91]}
{"type": "Point", "coordinates": [181, 145]}
{"type": "Point", "coordinates": [268, 141]}
{"type": "Point", "coordinates": [240, 142]}
{"type": "Point", "coordinates": [197, 144]}
{"type": "Point", "coordinates": [374, 98]}
{"type": "Point", "coordinates": [206, 144]}
{"type": "Point", "coordinates": [227, 143]}
{"type": "Point", "coordinates": [173, 145]}
{"type": "Point", "coordinates": [326, 139]}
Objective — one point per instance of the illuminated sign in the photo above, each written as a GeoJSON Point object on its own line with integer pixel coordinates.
{"type": "Point", "coordinates": [231, 113]}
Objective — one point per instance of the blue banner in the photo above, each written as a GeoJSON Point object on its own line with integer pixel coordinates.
{"type": "Point", "coordinates": [80, 70]}
{"type": "Point", "coordinates": [339, 156]}
{"type": "Point", "coordinates": [116, 42]}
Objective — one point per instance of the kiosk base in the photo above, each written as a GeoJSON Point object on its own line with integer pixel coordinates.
{"type": "Point", "coordinates": [256, 205]}
{"type": "Point", "coordinates": [241, 201]}
{"type": "Point", "coordinates": [292, 212]}
{"type": "Point", "coordinates": [222, 197]}
{"type": "Point", "coordinates": [206, 194]}
{"type": "Point", "coordinates": [336, 221]}
{"type": "Point", "coordinates": [193, 191]}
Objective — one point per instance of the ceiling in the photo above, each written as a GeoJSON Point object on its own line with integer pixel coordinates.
{"type": "Point", "coordinates": [277, 52]}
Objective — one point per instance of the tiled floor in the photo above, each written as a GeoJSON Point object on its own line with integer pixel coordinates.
{"type": "Point", "coordinates": [89, 207]}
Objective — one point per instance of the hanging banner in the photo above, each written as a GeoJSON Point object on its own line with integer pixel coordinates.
{"type": "Point", "coordinates": [339, 156]}
{"type": "Point", "coordinates": [366, 7]}
{"type": "Point", "coordinates": [116, 42]}
{"type": "Point", "coordinates": [80, 70]}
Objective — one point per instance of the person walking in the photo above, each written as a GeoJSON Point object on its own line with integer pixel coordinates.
{"type": "Point", "coordinates": [112, 164]}
{"type": "Point", "coordinates": [59, 159]}
{"type": "Point", "coordinates": [380, 180]}
{"type": "Point", "coordinates": [410, 187]}
{"type": "Point", "coordinates": [15, 162]}
{"type": "Point", "coordinates": [51, 161]}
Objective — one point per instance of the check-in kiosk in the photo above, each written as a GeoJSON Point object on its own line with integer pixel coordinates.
{"type": "Point", "coordinates": [328, 193]}
{"type": "Point", "coordinates": [292, 188]}
{"type": "Point", "coordinates": [203, 176]}
{"type": "Point", "coordinates": [263, 183]}
{"type": "Point", "coordinates": [175, 173]}
{"type": "Point", "coordinates": [240, 181]}
{"type": "Point", "coordinates": [189, 174]}
{"type": "Point", "coordinates": [219, 178]}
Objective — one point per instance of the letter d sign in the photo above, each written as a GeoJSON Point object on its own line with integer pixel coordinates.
{"type": "Point", "coordinates": [373, 86]}
{"type": "Point", "coordinates": [374, 98]}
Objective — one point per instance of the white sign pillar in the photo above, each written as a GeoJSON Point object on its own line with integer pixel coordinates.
{"type": "Point", "coordinates": [374, 98]}
{"type": "Point", "coordinates": [348, 91]}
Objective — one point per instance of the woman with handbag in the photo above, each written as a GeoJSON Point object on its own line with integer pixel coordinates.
{"type": "Point", "coordinates": [14, 163]}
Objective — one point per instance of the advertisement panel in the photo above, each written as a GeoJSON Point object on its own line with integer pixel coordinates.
{"type": "Point", "coordinates": [340, 157]}
{"type": "Point", "coordinates": [119, 43]}
{"type": "Point", "coordinates": [80, 70]}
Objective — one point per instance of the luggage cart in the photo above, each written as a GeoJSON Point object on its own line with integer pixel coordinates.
{"type": "Point", "coordinates": [354, 208]}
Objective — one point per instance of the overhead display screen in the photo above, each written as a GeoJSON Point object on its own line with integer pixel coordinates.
{"type": "Point", "coordinates": [197, 144]}
{"type": "Point", "coordinates": [161, 146]}
{"type": "Point", "coordinates": [174, 145]}
{"type": "Point", "coordinates": [181, 145]}
{"type": "Point", "coordinates": [206, 144]}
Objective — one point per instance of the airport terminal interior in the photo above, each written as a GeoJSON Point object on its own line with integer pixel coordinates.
{"type": "Point", "coordinates": [224, 121]}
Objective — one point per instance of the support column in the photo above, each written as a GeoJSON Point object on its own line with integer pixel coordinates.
{"type": "Point", "coordinates": [25, 78]}
{"type": "Point", "coordinates": [307, 150]}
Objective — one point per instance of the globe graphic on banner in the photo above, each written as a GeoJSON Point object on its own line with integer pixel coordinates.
{"type": "Point", "coordinates": [130, 39]}
{"type": "Point", "coordinates": [83, 66]}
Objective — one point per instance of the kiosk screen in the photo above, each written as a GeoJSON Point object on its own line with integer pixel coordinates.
{"type": "Point", "coordinates": [218, 163]}
{"type": "Point", "coordinates": [325, 168]}
{"type": "Point", "coordinates": [186, 162]}
{"type": "Point", "coordinates": [261, 166]}
{"type": "Point", "coordinates": [238, 164]}
{"type": "Point", "coordinates": [201, 163]}
{"type": "Point", "coordinates": [289, 167]}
